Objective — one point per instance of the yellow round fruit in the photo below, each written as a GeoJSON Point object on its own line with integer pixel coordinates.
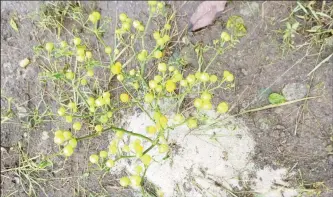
{"type": "Point", "coordinates": [124, 181]}
{"type": "Point", "coordinates": [163, 148]}
{"type": "Point", "coordinates": [170, 86]}
{"type": "Point", "coordinates": [124, 97]}
{"type": "Point", "coordinates": [158, 54]}
{"type": "Point", "coordinates": [109, 163]}
{"type": "Point", "coordinates": [135, 180]}
{"type": "Point", "coordinates": [116, 68]}
{"type": "Point", "coordinates": [151, 130]}
{"type": "Point", "coordinates": [192, 123]}
{"type": "Point", "coordinates": [198, 103]}
{"type": "Point", "coordinates": [223, 107]}
{"type": "Point", "coordinates": [93, 158]}
{"type": "Point", "coordinates": [146, 159]}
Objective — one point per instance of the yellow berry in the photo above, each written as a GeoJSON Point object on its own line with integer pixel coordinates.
{"type": "Point", "coordinates": [93, 158]}
{"type": "Point", "coordinates": [151, 130]}
{"type": "Point", "coordinates": [149, 97]}
{"type": "Point", "coordinates": [170, 86]}
{"type": "Point", "coordinates": [103, 154]}
{"type": "Point", "coordinates": [98, 128]}
{"type": "Point", "coordinates": [206, 96]}
{"type": "Point", "coordinates": [158, 54]}
{"type": "Point", "coordinates": [146, 159]}
{"type": "Point", "coordinates": [68, 150]}
{"type": "Point", "coordinates": [135, 180]}
{"type": "Point", "coordinates": [124, 181]}
{"type": "Point", "coordinates": [77, 126]}
{"type": "Point", "coordinates": [223, 107]}
{"type": "Point", "coordinates": [163, 148]}
{"type": "Point", "coordinates": [192, 123]}
{"type": "Point", "coordinates": [162, 67]}
{"type": "Point", "coordinates": [109, 163]}
{"type": "Point", "coordinates": [124, 97]}
{"type": "Point", "coordinates": [198, 103]}
{"type": "Point", "coordinates": [116, 68]}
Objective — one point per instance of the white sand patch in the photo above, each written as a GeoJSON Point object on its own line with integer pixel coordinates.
{"type": "Point", "coordinates": [209, 161]}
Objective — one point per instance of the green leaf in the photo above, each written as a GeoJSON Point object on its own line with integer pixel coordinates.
{"type": "Point", "coordinates": [45, 164]}
{"type": "Point", "coordinates": [276, 98]}
{"type": "Point", "coordinates": [13, 24]}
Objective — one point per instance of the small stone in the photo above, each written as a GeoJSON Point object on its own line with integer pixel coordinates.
{"type": "Point", "coordinates": [244, 71]}
{"type": "Point", "coordinates": [263, 124]}
{"type": "Point", "coordinates": [45, 135]}
{"type": "Point", "coordinates": [22, 112]}
{"type": "Point", "coordinates": [250, 9]}
{"type": "Point", "coordinates": [294, 91]}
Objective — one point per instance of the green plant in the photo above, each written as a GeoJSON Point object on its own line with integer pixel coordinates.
{"type": "Point", "coordinates": [90, 102]}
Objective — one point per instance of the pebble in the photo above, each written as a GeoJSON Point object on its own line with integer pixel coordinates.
{"type": "Point", "coordinates": [249, 9]}
{"type": "Point", "coordinates": [294, 91]}
{"type": "Point", "coordinates": [330, 160]}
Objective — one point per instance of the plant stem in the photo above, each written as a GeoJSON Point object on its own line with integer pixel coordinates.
{"type": "Point", "coordinates": [115, 129]}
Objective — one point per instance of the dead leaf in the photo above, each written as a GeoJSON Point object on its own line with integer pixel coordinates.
{"type": "Point", "coordinates": [205, 14]}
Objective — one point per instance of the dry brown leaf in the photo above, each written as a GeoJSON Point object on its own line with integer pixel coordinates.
{"type": "Point", "coordinates": [205, 14]}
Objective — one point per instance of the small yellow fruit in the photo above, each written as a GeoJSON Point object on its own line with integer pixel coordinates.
{"type": "Point", "coordinates": [158, 54]}
{"type": "Point", "coordinates": [213, 78]}
{"type": "Point", "coordinates": [77, 126]}
{"type": "Point", "coordinates": [151, 130]}
{"type": "Point", "coordinates": [146, 159]}
{"type": "Point", "coordinates": [93, 158]}
{"type": "Point", "coordinates": [68, 150]}
{"type": "Point", "coordinates": [124, 97]}
{"type": "Point", "coordinates": [228, 76]}
{"type": "Point", "coordinates": [225, 37]}
{"type": "Point", "coordinates": [98, 128]}
{"type": "Point", "coordinates": [170, 86]}
{"type": "Point", "coordinates": [103, 154]}
{"type": "Point", "coordinates": [198, 103]}
{"type": "Point", "coordinates": [163, 148]}
{"type": "Point", "coordinates": [192, 123]}
{"type": "Point", "coordinates": [120, 77]}
{"type": "Point", "coordinates": [223, 107]}
{"type": "Point", "coordinates": [206, 96]}
{"type": "Point", "coordinates": [162, 67]}
{"type": "Point", "coordinates": [135, 180]}
{"type": "Point", "coordinates": [124, 181]}
{"type": "Point", "coordinates": [207, 105]}
{"type": "Point", "coordinates": [109, 163]}
{"type": "Point", "coordinates": [116, 68]}
{"type": "Point", "coordinates": [149, 97]}
{"type": "Point", "coordinates": [152, 84]}
{"type": "Point", "coordinates": [108, 50]}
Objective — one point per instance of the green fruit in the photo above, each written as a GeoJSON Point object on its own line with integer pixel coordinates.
{"type": "Point", "coordinates": [49, 46]}
{"type": "Point", "coordinates": [59, 139]}
{"type": "Point", "coordinates": [109, 163]}
{"type": "Point", "coordinates": [103, 119]}
{"type": "Point", "coordinates": [135, 180]}
{"type": "Point", "coordinates": [93, 158]}
{"type": "Point", "coordinates": [77, 41]}
{"type": "Point", "coordinates": [207, 105]}
{"type": "Point", "coordinates": [99, 128]}
{"type": "Point", "coordinates": [162, 67]}
{"type": "Point", "coordinates": [84, 82]}
{"type": "Point", "coordinates": [163, 148]}
{"type": "Point", "coordinates": [108, 50]}
{"type": "Point", "coordinates": [206, 96]}
{"type": "Point", "coordinates": [138, 169]}
{"type": "Point", "coordinates": [70, 75]}
{"type": "Point", "coordinates": [77, 126]}
{"type": "Point", "coordinates": [103, 154]}
{"type": "Point", "coordinates": [67, 135]}
{"type": "Point", "coordinates": [119, 134]}
{"type": "Point", "coordinates": [192, 123]}
{"type": "Point", "coordinates": [72, 142]}
{"type": "Point", "coordinates": [124, 181]}
{"type": "Point", "coordinates": [167, 26]}
{"type": "Point", "coordinates": [198, 103]}
{"type": "Point", "coordinates": [160, 42]}
{"type": "Point", "coordinates": [122, 17]}
{"type": "Point", "coordinates": [68, 150]}
{"type": "Point", "coordinates": [91, 101]}
{"type": "Point", "coordinates": [149, 97]}
{"type": "Point", "coordinates": [178, 118]}
{"type": "Point", "coordinates": [61, 111]}
{"type": "Point", "coordinates": [158, 54]}
{"type": "Point", "coordinates": [223, 107]}
{"type": "Point", "coordinates": [146, 159]}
